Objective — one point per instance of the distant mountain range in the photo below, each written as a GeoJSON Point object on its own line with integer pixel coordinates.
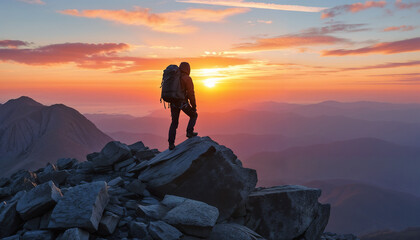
{"type": "Point", "coordinates": [367, 160]}
{"type": "Point", "coordinates": [361, 208]}
{"type": "Point", "coordinates": [412, 233]}
{"type": "Point", "coordinates": [31, 135]}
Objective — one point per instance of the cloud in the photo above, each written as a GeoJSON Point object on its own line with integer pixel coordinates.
{"type": "Point", "coordinates": [60, 53]}
{"type": "Point", "coordinates": [12, 43]}
{"type": "Point", "coordinates": [170, 22]}
{"type": "Point", "coordinates": [288, 41]}
{"type": "Point", "coordinates": [40, 2]}
{"type": "Point", "coordinates": [338, 27]}
{"type": "Point", "coordinates": [400, 5]}
{"type": "Point", "coordinates": [105, 56]}
{"type": "Point", "coordinates": [353, 8]}
{"type": "Point", "coordinates": [260, 5]}
{"type": "Point", "coordinates": [385, 65]}
{"type": "Point", "coordinates": [408, 45]}
{"type": "Point", "coordinates": [265, 21]}
{"type": "Point", "coordinates": [399, 28]}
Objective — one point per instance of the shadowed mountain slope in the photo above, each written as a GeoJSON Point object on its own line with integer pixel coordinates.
{"type": "Point", "coordinates": [32, 134]}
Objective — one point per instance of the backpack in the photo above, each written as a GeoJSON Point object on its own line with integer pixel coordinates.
{"type": "Point", "coordinates": [171, 85]}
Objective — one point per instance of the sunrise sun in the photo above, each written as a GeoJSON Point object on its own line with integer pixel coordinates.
{"type": "Point", "coordinates": [210, 82]}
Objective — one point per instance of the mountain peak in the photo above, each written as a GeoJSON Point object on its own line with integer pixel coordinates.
{"type": "Point", "coordinates": [23, 101]}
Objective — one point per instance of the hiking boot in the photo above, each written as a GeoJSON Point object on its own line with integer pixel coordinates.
{"type": "Point", "coordinates": [191, 134]}
{"type": "Point", "coordinates": [171, 146]}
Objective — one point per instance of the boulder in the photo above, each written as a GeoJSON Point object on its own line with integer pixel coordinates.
{"type": "Point", "coordinates": [5, 192]}
{"type": "Point", "coordinates": [74, 234]}
{"type": "Point", "coordinates": [66, 163]}
{"type": "Point", "coordinates": [38, 235]}
{"type": "Point", "coordinates": [193, 217]}
{"type": "Point", "coordinates": [23, 180]}
{"type": "Point", "coordinates": [38, 200]}
{"type": "Point", "coordinates": [108, 223]}
{"type": "Point", "coordinates": [32, 224]}
{"type": "Point", "coordinates": [319, 223]}
{"type": "Point", "coordinates": [116, 182]}
{"type": "Point", "coordinates": [81, 207]}
{"type": "Point", "coordinates": [112, 153]}
{"type": "Point", "coordinates": [155, 211]}
{"type": "Point", "coordinates": [286, 212]}
{"type": "Point", "coordinates": [202, 170]}
{"type": "Point", "coordinates": [232, 231]}
{"type": "Point", "coordinates": [9, 220]}
{"type": "Point", "coordinates": [138, 230]}
{"type": "Point", "coordinates": [137, 187]}
{"type": "Point", "coordinates": [138, 146]}
{"type": "Point", "coordinates": [160, 230]}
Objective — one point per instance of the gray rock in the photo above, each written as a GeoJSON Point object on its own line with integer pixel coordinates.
{"type": "Point", "coordinates": [319, 223]}
{"type": "Point", "coordinates": [123, 164]}
{"type": "Point", "coordinates": [82, 206]}
{"type": "Point", "coordinates": [172, 201]}
{"type": "Point", "coordinates": [283, 212]}
{"type": "Point", "coordinates": [5, 192]}
{"type": "Point", "coordinates": [74, 234]}
{"type": "Point", "coordinates": [58, 177]}
{"type": "Point", "coordinates": [108, 223]}
{"type": "Point", "coordinates": [193, 218]}
{"type": "Point", "coordinates": [85, 167]}
{"type": "Point", "coordinates": [23, 180]}
{"type": "Point", "coordinates": [66, 163]}
{"type": "Point", "coordinates": [14, 237]}
{"type": "Point", "coordinates": [116, 182]}
{"type": "Point", "coordinates": [202, 170]}
{"type": "Point", "coordinates": [45, 220]}
{"type": "Point", "coordinates": [335, 236]}
{"type": "Point", "coordinates": [145, 154]}
{"type": "Point", "coordinates": [118, 210]}
{"type": "Point", "coordinates": [77, 178]}
{"type": "Point", "coordinates": [112, 153]}
{"type": "Point", "coordinates": [38, 200]}
{"type": "Point", "coordinates": [137, 187]}
{"type": "Point", "coordinates": [232, 231]}
{"type": "Point", "coordinates": [4, 182]}
{"type": "Point", "coordinates": [91, 156]}
{"type": "Point", "coordinates": [38, 235]}
{"type": "Point", "coordinates": [138, 230]}
{"type": "Point", "coordinates": [9, 220]}
{"type": "Point", "coordinates": [32, 224]}
{"type": "Point", "coordinates": [138, 146]}
{"type": "Point", "coordinates": [160, 230]}
{"type": "Point", "coordinates": [156, 211]}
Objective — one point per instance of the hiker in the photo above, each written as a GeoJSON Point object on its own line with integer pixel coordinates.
{"type": "Point", "coordinates": [187, 105]}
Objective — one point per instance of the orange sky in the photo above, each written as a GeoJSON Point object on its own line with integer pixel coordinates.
{"type": "Point", "coordinates": [109, 57]}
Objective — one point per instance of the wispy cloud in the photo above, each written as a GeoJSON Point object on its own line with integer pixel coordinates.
{"type": "Point", "coordinates": [241, 3]}
{"type": "Point", "coordinates": [171, 22]}
{"type": "Point", "coordinates": [384, 65]}
{"type": "Point", "coordinates": [399, 28]}
{"type": "Point", "coordinates": [353, 8]}
{"type": "Point", "coordinates": [40, 2]}
{"type": "Point", "coordinates": [288, 41]}
{"type": "Point", "coordinates": [400, 5]}
{"type": "Point", "coordinates": [308, 37]}
{"type": "Point", "coordinates": [13, 43]}
{"type": "Point", "coordinates": [407, 45]}
{"type": "Point", "coordinates": [105, 56]}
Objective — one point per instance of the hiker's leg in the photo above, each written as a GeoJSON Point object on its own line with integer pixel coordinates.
{"type": "Point", "coordinates": [174, 124]}
{"type": "Point", "coordinates": [193, 117]}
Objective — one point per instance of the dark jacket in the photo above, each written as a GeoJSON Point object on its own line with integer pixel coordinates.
{"type": "Point", "coordinates": [187, 83]}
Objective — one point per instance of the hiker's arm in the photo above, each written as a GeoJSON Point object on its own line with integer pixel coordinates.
{"type": "Point", "coordinates": [190, 92]}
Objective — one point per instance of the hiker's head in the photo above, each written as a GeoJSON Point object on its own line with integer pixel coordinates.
{"type": "Point", "coordinates": [185, 67]}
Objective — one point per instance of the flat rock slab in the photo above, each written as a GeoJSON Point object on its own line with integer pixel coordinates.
{"type": "Point", "coordinates": [202, 170]}
{"type": "Point", "coordinates": [232, 231]}
{"type": "Point", "coordinates": [160, 230]}
{"type": "Point", "coordinates": [81, 207]}
{"type": "Point", "coordinates": [193, 217]}
{"type": "Point", "coordinates": [108, 223]}
{"type": "Point", "coordinates": [283, 212]}
{"type": "Point", "coordinates": [38, 200]}
{"type": "Point", "coordinates": [74, 234]}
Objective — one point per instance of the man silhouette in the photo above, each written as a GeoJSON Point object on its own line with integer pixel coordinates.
{"type": "Point", "coordinates": [188, 106]}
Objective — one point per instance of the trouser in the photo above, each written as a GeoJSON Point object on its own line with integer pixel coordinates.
{"type": "Point", "coordinates": [175, 111]}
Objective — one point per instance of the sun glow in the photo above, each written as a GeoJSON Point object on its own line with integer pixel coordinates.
{"type": "Point", "coordinates": [210, 82]}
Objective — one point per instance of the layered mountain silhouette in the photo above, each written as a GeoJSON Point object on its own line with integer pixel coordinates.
{"type": "Point", "coordinates": [31, 135]}
{"type": "Point", "coordinates": [367, 160]}
{"type": "Point", "coordinates": [361, 208]}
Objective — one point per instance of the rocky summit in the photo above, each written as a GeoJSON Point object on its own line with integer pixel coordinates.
{"type": "Point", "coordinates": [200, 190]}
